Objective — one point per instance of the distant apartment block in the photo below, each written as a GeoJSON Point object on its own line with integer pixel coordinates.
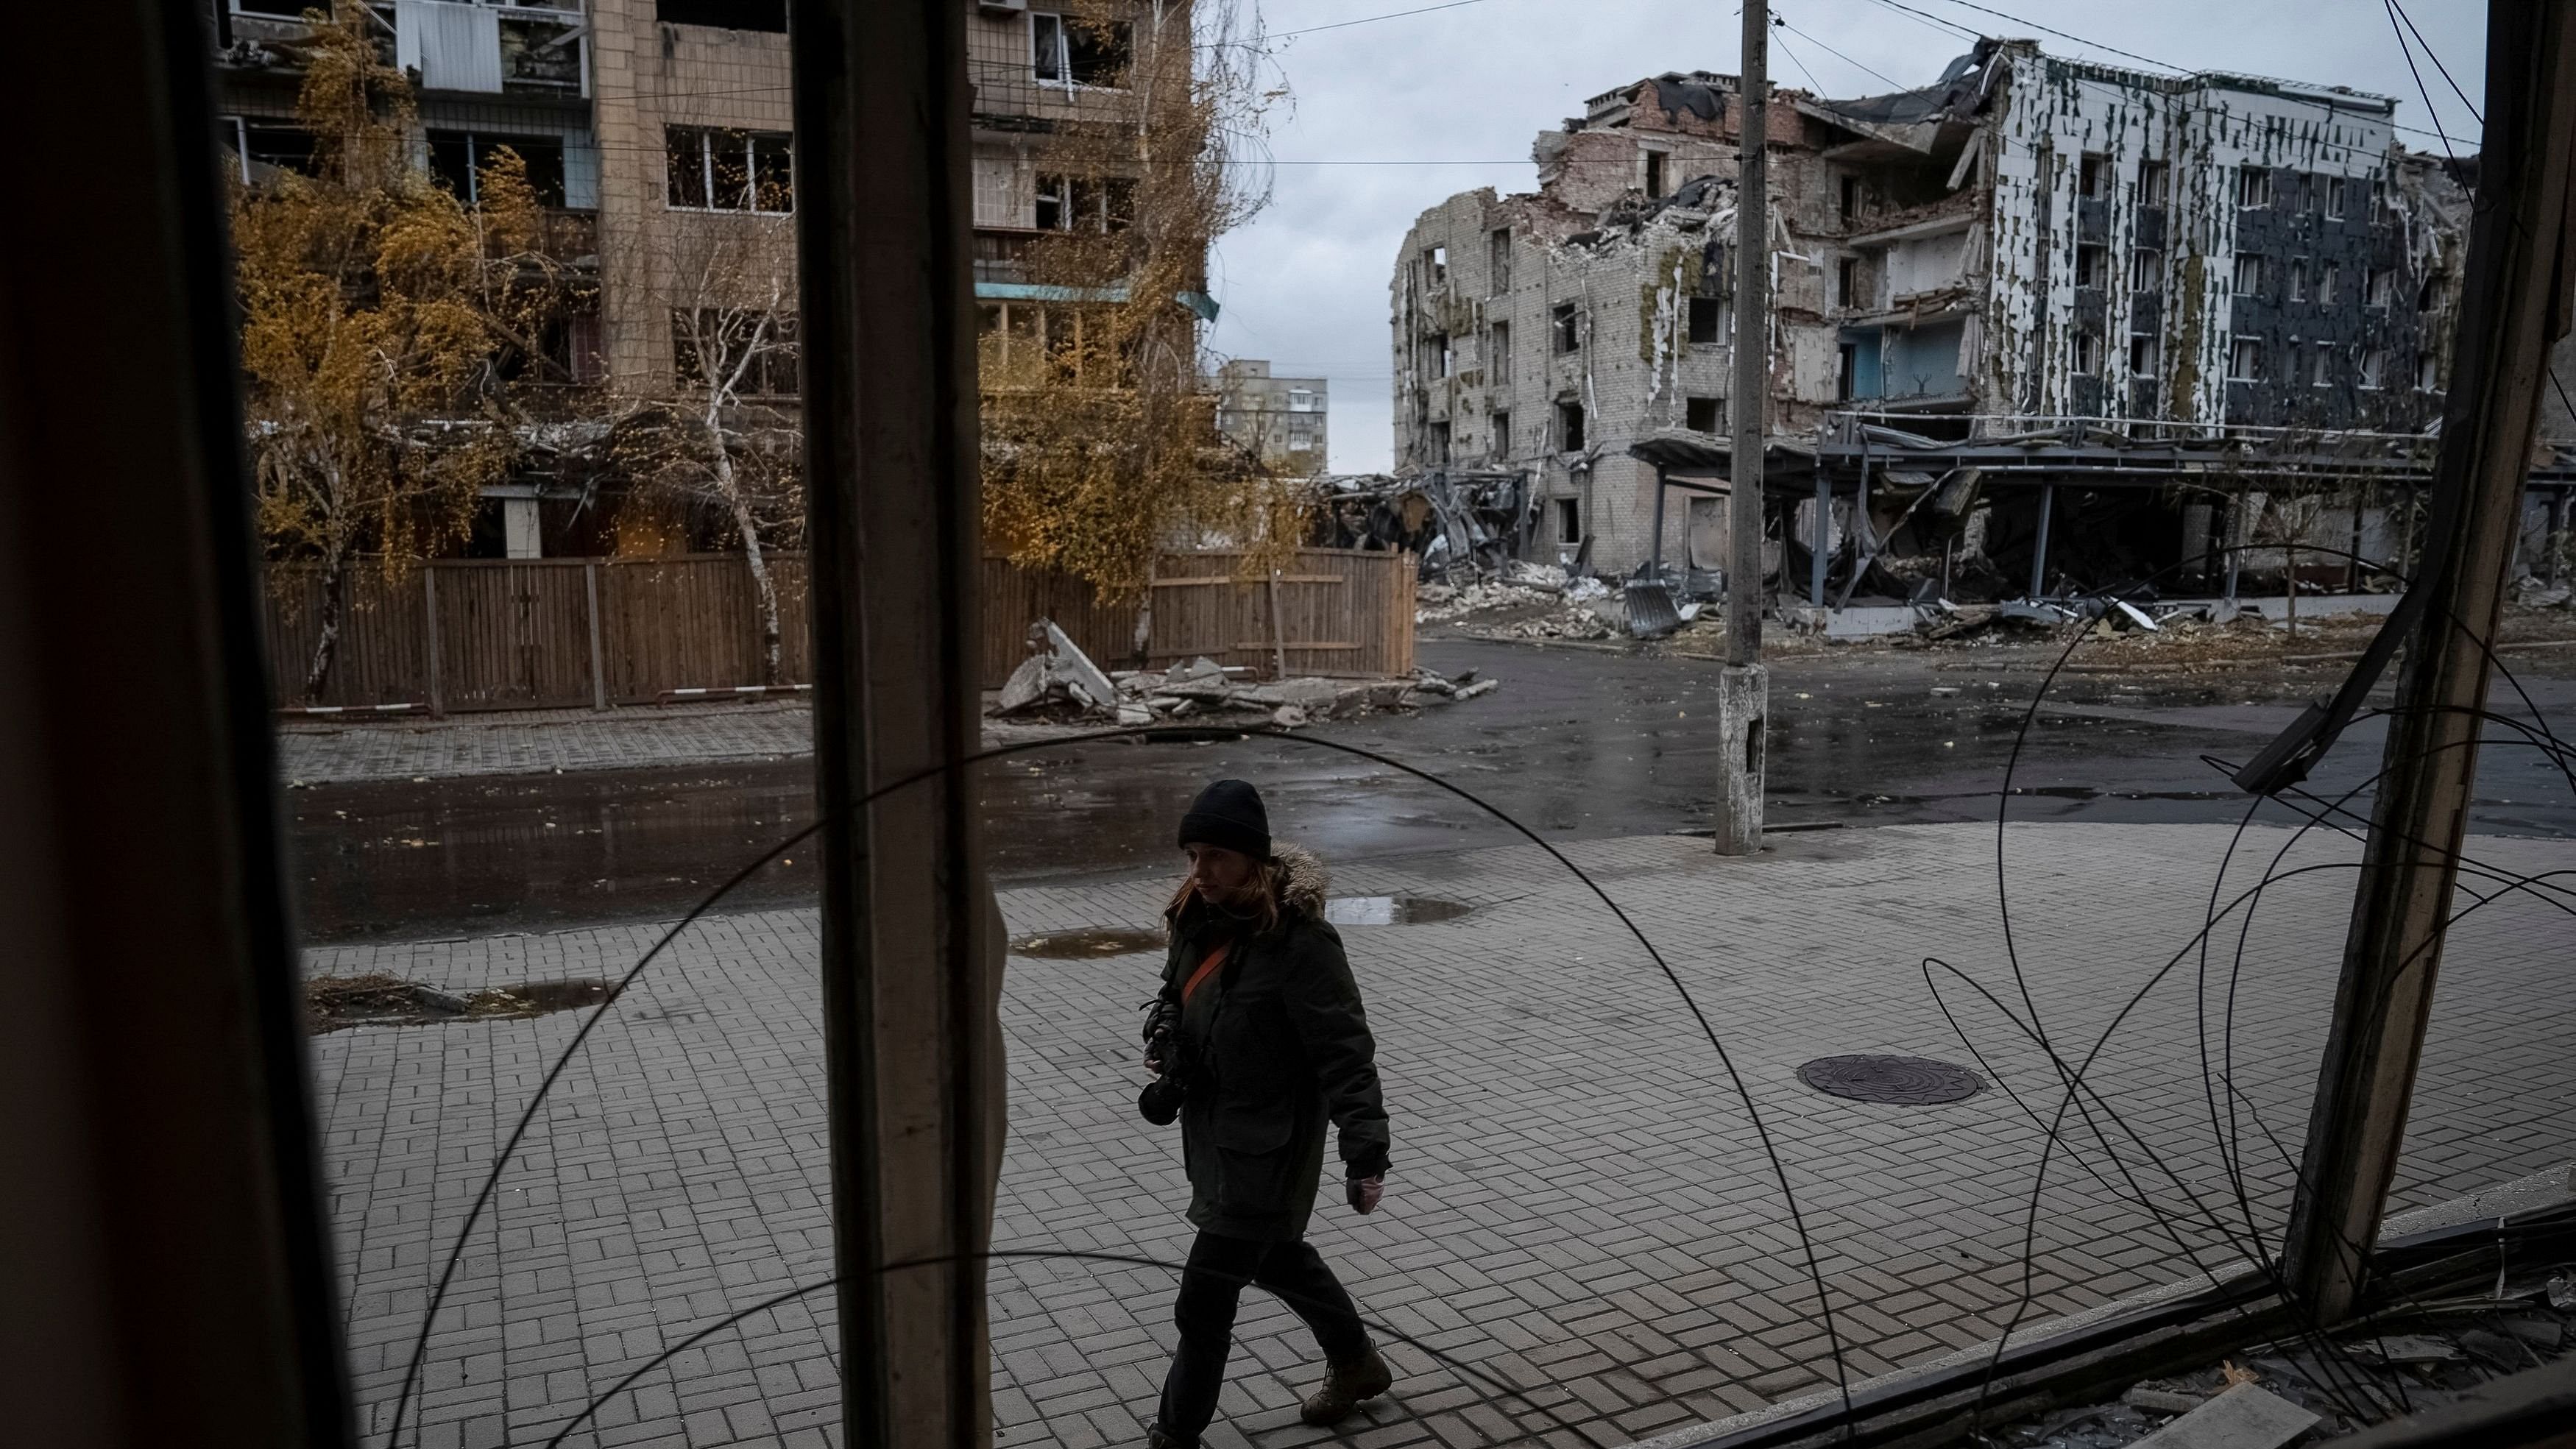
{"type": "Point", "coordinates": [1279, 421]}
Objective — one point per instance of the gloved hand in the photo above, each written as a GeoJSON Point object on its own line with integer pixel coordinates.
{"type": "Point", "coordinates": [1364, 1193]}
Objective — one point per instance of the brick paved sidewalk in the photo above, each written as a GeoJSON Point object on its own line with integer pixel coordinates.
{"type": "Point", "coordinates": [538, 742]}
{"type": "Point", "coordinates": [1578, 1206]}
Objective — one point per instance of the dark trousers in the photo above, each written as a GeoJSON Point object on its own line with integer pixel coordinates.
{"type": "Point", "coordinates": [1211, 1285]}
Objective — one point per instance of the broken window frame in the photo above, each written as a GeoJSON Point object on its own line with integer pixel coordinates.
{"type": "Point", "coordinates": [2329, 282]}
{"type": "Point", "coordinates": [2298, 279]}
{"type": "Point", "coordinates": [243, 127]}
{"type": "Point", "coordinates": [1436, 355]}
{"type": "Point", "coordinates": [2084, 352]}
{"type": "Point", "coordinates": [1704, 414]}
{"type": "Point", "coordinates": [2311, 186]}
{"type": "Point", "coordinates": [2155, 181]}
{"type": "Point", "coordinates": [2093, 176]}
{"type": "Point", "coordinates": [1498, 442]}
{"type": "Point", "coordinates": [2253, 186]}
{"type": "Point", "coordinates": [2335, 199]}
{"type": "Point", "coordinates": [1848, 198]}
{"type": "Point", "coordinates": [1657, 164]}
{"type": "Point", "coordinates": [1498, 354]}
{"type": "Point", "coordinates": [547, 181]}
{"type": "Point", "coordinates": [2372, 374]}
{"type": "Point", "coordinates": [2321, 365]}
{"type": "Point", "coordinates": [1569, 425]}
{"type": "Point", "coordinates": [2146, 354]}
{"type": "Point", "coordinates": [1569, 521]}
{"type": "Point", "coordinates": [2245, 359]}
{"type": "Point", "coordinates": [759, 180]}
{"type": "Point", "coordinates": [2092, 265]}
{"type": "Point", "coordinates": [2428, 372]}
{"type": "Point", "coordinates": [1435, 268]}
{"type": "Point", "coordinates": [2146, 270]}
{"type": "Point", "coordinates": [1565, 326]}
{"type": "Point", "coordinates": [1847, 282]}
{"type": "Point", "coordinates": [2379, 287]}
{"type": "Point", "coordinates": [1437, 443]}
{"type": "Point", "coordinates": [1056, 61]}
{"type": "Point", "coordinates": [1498, 261]}
{"type": "Point", "coordinates": [2250, 269]}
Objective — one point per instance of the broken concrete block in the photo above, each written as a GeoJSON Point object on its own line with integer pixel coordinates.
{"type": "Point", "coordinates": [2406, 1348]}
{"type": "Point", "coordinates": [1134, 714]}
{"type": "Point", "coordinates": [1076, 668]}
{"type": "Point", "coordinates": [2137, 616]}
{"type": "Point", "coordinates": [2244, 1417]}
{"type": "Point", "coordinates": [1288, 716]}
{"type": "Point", "coordinates": [1026, 686]}
{"type": "Point", "coordinates": [2161, 1401]}
{"type": "Point", "coordinates": [1479, 688]}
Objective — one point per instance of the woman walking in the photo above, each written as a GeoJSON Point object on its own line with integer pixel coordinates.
{"type": "Point", "coordinates": [1257, 1041]}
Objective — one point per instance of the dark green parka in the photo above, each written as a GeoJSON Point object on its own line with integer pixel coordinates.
{"type": "Point", "coordinates": [1270, 1048]}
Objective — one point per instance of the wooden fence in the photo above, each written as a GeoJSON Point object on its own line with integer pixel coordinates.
{"type": "Point", "coordinates": [485, 634]}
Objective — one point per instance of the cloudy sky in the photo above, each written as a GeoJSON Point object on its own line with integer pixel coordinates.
{"type": "Point", "coordinates": [1392, 115]}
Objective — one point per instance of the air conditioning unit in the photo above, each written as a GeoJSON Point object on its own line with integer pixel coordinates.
{"type": "Point", "coordinates": [1003, 7]}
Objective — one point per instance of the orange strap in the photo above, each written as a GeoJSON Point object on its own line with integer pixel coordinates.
{"type": "Point", "coordinates": [1214, 959]}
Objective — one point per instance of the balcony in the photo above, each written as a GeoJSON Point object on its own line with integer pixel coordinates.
{"type": "Point", "coordinates": [445, 45]}
{"type": "Point", "coordinates": [999, 255]}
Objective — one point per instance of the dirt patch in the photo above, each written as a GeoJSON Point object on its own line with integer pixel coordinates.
{"type": "Point", "coordinates": [1090, 943]}
{"type": "Point", "coordinates": [334, 1002]}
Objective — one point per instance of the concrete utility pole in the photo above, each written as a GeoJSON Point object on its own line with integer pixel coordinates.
{"type": "Point", "coordinates": [1743, 687]}
{"type": "Point", "coordinates": [2515, 304]}
{"type": "Point", "coordinates": [911, 949]}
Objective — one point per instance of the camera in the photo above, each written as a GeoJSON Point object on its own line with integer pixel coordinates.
{"type": "Point", "coordinates": [1160, 1102]}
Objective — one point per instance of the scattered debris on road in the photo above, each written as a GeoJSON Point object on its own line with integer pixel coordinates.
{"type": "Point", "coordinates": [334, 1002]}
{"type": "Point", "coordinates": [1059, 683]}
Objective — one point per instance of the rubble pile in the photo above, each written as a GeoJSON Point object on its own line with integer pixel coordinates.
{"type": "Point", "coordinates": [1060, 684]}
{"type": "Point", "coordinates": [1541, 601]}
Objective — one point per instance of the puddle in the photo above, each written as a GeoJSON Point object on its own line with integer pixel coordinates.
{"type": "Point", "coordinates": [1391, 910]}
{"type": "Point", "coordinates": [1089, 943]}
{"type": "Point", "coordinates": [333, 1002]}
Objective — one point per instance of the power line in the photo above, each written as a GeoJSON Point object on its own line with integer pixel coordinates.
{"type": "Point", "coordinates": [1836, 54]}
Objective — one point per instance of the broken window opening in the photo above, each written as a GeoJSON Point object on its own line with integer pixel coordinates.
{"type": "Point", "coordinates": [2329, 282]}
{"type": "Point", "coordinates": [458, 159]}
{"type": "Point", "coordinates": [2379, 287]}
{"type": "Point", "coordinates": [2092, 265]}
{"type": "Point", "coordinates": [1440, 445]}
{"type": "Point", "coordinates": [2309, 187]}
{"type": "Point", "coordinates": [1498, 261]}
{"type": "Point", "coordinates": [2154, 180]}
{"type": "Point", "coordinates": [2428, 376]}
{"type": "Point", "coordinates": [262, 149]}
{"type": "Point", "coordinates": [2321, 368]}
{"type": "Point", "coordinates": [2429, 295]}
{"type": "Point", "coordinates": [1569, 521]}
{"type": "Point", "coordinates": [1850, 199]}
{"type": "Point", "coordinates": [1498, 355]}
{"type": "Point", "coordinates": [1500, 444]}
{"type": "Point", "coordinates": [2299, 280]}
{"type": "Point", "coordinates": [1435, 354]}
{"type": "Point", "coordinates": [1847, 282]}
{"type": "Point", "coordinates": [1655, 173]}
{"type": "Point", "coordinates": [1073, 51]}
{"type": "Point", "coordinates": [2245, 360]}
{"type": "Point", "coordinates": [2253, 186]}
{"type": "Point", "coordinates": [2334, 196]}
{"type": "Point", "coordinates": [2249, 274]}
{"type": "Point", "coordinates": [2143, 358]}
{"type": "Point", "coordinates": [2374, 368]}
{"type": "Point", "coordinates": [2088, 353]}
{"type": "Point", "coordinates": [2146, 270]}
{"type": "Point", "coordinates": [714, 169]}
{"type": "Point", "coordinates": [768, 15]}
{"type": "Point", "coordinates": [1566, 320]}
{"type": "Point", "coordinates": [1435, 268]}
{"type": "Point", "coordinates": [1846, 371]}
{"type": "Point", "coordinates": [1707, 321]}
{"type": "Point", "coordinates": [1569, 427]}
{"type": "Point", "coordinates": [1704, 414]}
{"type": "Point", "coordinates": [2093, 176]}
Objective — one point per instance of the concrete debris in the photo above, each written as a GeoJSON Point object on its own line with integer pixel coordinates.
{"type": "Point", "coordinates": [2244, 1417]}
{"type": "Point", "coordinates": [1059, 682]}
{"type": "Point", "coordinates": [2405, 1349]}
{"type": "Point", "coordinates": [2162, 1401]}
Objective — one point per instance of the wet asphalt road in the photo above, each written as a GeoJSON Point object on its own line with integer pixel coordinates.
{"type": "Point", "coordinates": [1578, 743]}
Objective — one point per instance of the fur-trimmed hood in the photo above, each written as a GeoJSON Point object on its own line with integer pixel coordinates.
{"type": "Point", "coordinates": [1304, 881]}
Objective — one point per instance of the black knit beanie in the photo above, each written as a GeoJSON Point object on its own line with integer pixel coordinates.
{"type": "Point", "coordinates": [1228, 813]}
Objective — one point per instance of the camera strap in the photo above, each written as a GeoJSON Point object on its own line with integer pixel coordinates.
{"type": "Point", "coordinates": [1214, 959]}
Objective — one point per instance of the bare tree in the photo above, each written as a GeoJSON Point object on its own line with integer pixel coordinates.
{"type": "Point", "coordinates": [721, 432]}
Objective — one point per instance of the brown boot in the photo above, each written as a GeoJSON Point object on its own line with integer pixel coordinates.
{"type": "Point", "coordinates": [1348, 1386]}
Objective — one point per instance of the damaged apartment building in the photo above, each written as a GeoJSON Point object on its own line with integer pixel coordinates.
{"type": "Point", "coordinates": [2141, 310]}
{"type": "Point", "coordinates": [659, 136]}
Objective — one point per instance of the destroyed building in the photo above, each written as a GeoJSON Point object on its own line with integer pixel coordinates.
{"type": "Point", "coordinates": [659, 135]}
{"type": "Point", "coordinates": [2179, 296]}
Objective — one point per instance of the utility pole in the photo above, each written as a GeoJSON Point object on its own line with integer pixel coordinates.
{"type": "Point", "coordinates": [1743, 686]}
{"type": "Point", "coordinates": [2514, 305]}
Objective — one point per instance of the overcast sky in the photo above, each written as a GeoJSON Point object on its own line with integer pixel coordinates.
{"type": "Point", "coordinates": [1392, 116]}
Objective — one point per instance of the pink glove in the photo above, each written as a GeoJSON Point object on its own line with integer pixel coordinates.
{"type": "Point", "coordinates": [1365, 1192]}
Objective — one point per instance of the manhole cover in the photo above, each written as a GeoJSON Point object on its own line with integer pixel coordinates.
{"type": "Point", "coordinates": [1089, 943]}
{"type": "Point", "coordinates": [1906, 1081]}
{"type": "Point", "coordinates": [1391, 910]}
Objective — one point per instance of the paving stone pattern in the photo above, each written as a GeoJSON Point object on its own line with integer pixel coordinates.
{"type": "Point", "coordinates": [537, 742]}
{"type": "Point", "coordinates": [1579, 1211]}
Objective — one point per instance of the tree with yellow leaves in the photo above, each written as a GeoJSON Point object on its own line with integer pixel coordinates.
{"type": "Point", "coordinates": [382, 321]}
